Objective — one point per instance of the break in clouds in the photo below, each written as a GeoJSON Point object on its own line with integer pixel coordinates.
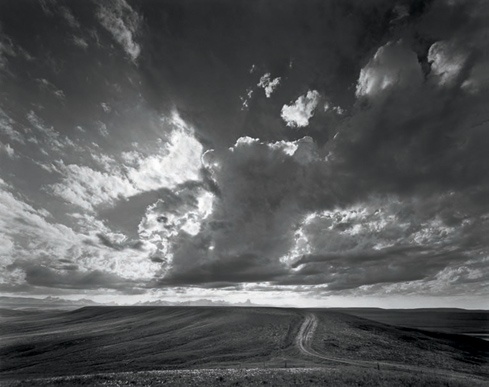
{"type": "Point", "coordinates": [166, 147]}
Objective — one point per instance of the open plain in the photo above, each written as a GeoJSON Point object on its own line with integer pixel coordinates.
{"type": "Point", "coordinates": [230, 346]}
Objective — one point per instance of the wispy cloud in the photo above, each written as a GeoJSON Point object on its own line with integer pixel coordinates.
{"type": "Point", "coordinates": [123, 23]}
{"type": "Point", "coordinates": [178, 161]}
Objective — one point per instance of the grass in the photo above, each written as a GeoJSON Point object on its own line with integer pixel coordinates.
{"type": "Point", "coordinates": [356, 338]}
{"type": "Point", "coordinates": [103, 339]}
{"type": "Point", "coordinates": [343, 376]}
{"type": "Point", "coordinates": [172, 345]}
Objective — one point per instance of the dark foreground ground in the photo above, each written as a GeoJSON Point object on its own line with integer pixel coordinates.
{"type": "Point", "coordinates": [251, 377]}
{"type": "Point", "coordinates": [231, 346]}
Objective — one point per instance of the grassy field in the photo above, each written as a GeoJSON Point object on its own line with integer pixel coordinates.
{"type": "Point", "coordinates": [355, 338]}
{"type": "Point", "coordinates": [98, 339]}
{"type": "Point", "coordinates": [473, 322]}
{"type": "Point", "coordinates": [101, 345]}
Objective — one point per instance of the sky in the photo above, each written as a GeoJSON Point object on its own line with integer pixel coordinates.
{"type": "Point", "coordinates": [307, 153]}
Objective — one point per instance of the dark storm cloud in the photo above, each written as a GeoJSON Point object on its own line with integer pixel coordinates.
{"type": "Point", "coordinates": [390, 265]}
{"type": "Point", "coordinates": [414, 134]}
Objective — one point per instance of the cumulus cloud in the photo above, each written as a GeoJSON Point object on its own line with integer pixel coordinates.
{"type": "Point", "coordinates": [179, 215]}
{"type": "Point", "coordinates": [123, 22]}
{"type": "Point", "coordinates": [300, 112]}
{"type": "Point", "coordinates": [379, 241]}
{"type": "Point", "coordinates": [268, 84]}
{"type": "Point", "coordinates": [253, 218]}
{"type": "Point", "coordinates": [447, 61]}
{"type": "Point", "coordinates": [393, 65]}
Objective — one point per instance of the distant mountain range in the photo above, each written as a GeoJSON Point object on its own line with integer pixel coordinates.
{"type": "Point", "coordinates": [48, 302]}
{"type": "Point", "coordinates": [200, 302]}
{"type": "Point", "coordinates": [56, 302]}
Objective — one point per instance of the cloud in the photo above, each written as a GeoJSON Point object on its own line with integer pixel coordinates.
{"type": "Point", "coordinates": [69, 17]}
{"type": "Point", "coordinates": [45, 85]}
{"type": "Point", "coordinates": [7, 128]}
{"type": "Point", "coordinates": [447, 61]}
{"type": "Point", "coordinates": [263, 191]}
{"type": "Point", "coordinates": [80, 42]}
{"type": "Point", "coordinates": [118, 17]}
{"type": "Point", "coordinates": [102, 129]}
{"type": "Point", "coordinates": [268, 84]}
{"type": "Point", "coordinates": [381, 241]}
{"type": "Point", "coordinates": [7, 149]}
{"type": "Point", "coordinates": [393, 65]}
{"type": "Point", "coordinates": [178, 216]}
{"type": "Point", "coordinates": [47, 134]}
{"type": "Point", "coordinates": [374, 208]}
{"type": "Point", "coordinates": [105, 107]}
{"type": "Point", "coordinates": [300, 112]}
{"type": "Point", "coordinates": [32, 246]}
{"type": "Point", "coordinates": [386, 195]}
{"type": "Point", "coordinates": [177, 161]}
{"type": "Point", "coordinates": [89, 188]}
{"type": "Point", "coordinates": [7, 49]}
{"type": "Point", "coordinates": [34, 237]}
{"type": "Point", "coordinates": [68, 277]}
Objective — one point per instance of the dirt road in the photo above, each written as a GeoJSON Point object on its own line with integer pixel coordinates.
{"type": "Point", "coordinates": [306, 335]}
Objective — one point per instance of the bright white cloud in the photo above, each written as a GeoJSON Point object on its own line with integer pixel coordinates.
{"type": "Point", "coordinates": [298, 114]}
{"type": "Point", "coordinates": [287, 147]}
{"type": "Point", "coordinates": [393, 65]}
{"type": "Point", "coordinates": [31, 246]}
{"type": "Point", "coordinates": [178, 161]}
{"type": "Point", "coordinates": [33, 235]}
{"type": "Point", "coordinates": [164, 222]}
{"type": "Point", "coordinates": [123, 23]}
{"type": "Point", "coordinates": [268, 84]}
